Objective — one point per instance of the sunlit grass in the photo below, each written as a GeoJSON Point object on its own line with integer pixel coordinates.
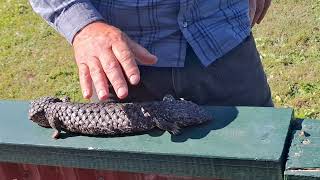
{"type": "Point", "coordinates": [289, 42]}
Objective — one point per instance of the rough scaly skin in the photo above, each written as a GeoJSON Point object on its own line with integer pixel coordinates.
{"type": "Point", "coordinates": [115, 118]}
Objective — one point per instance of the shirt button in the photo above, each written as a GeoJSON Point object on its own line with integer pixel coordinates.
{"type": "Point", "coordinates": [185, 24]}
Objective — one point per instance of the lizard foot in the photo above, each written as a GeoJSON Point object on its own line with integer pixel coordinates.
{"type": "Point", "coordinates": [168, 126]}
{"type": "Point", "coordinates": [56, 134]}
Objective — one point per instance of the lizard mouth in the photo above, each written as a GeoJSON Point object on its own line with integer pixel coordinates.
{"type": "Point", "coordinates": [39, 119]}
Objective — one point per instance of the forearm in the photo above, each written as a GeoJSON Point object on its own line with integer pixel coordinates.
{"type": "Point", "coordinates": [66, 16]}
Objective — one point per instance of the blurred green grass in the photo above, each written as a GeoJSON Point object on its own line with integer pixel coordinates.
{"type": "Point", "coordinates": [35, 61]}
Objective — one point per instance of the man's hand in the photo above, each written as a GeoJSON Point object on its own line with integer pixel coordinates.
{"type": "Point", "coordinates": [105, 54]}
{"type": "Point", "coordinates": [258, 9]}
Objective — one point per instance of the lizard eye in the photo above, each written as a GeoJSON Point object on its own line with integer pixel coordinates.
{"type": "Point", "coordinates": [40, 119]}
{"type": "Point", "coordinates": [37, 110]}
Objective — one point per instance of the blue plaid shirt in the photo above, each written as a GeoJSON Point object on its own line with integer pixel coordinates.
{"type": "Point", "coordinates": [164, 27]}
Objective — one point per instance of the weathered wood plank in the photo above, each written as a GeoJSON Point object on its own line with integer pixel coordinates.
{"type": "Point", "coordinates": [12, 171]}
{"type": "Point", "coordinates": [304, 155]}
{"type": "Point", "coordinates": [242, 143]}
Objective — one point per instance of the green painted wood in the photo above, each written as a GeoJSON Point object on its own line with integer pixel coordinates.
{"type": "Point", "coordinates": [304, 154]}
{"type": "Point", "coordinates": [242, 143]}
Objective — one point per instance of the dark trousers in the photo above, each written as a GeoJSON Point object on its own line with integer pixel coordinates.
{"type": "Point", "coordinates": [236, 79]}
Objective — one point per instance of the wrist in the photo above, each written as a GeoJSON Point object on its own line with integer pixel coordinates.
{"type": "Point", "coordinates": [88, 30]}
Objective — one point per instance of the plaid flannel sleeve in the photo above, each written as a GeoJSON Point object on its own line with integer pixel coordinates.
{"type": "Point", "coordinates": [67, 16]}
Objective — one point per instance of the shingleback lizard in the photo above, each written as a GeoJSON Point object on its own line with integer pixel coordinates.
{"type": "Point", "coordinates": [115, 118]}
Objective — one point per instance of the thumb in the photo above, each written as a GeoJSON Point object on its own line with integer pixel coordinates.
{"type": "Point", "coordinates": [142, 55]}
{"type": "Point", "coordinates": [252, 12]}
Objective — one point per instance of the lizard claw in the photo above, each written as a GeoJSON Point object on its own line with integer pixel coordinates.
{"type": "Point", "coordinates": [172, 128]}
{"type": "Point", "coordinates": [56, 134]}
{"type": "Point", "coordinates": [168, 97]}
{"type": "Point", "coordinates": [65, 99]}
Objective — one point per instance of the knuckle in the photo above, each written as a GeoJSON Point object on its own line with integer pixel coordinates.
{"type": "Point", "coordinates": [98, 82]}
{"type": "Point", "coordinates": [80, 58]}
{"type": "Point", "coordinates": [123, 36]}
{"type": "Point", "coordinates": [111, 66]}
{"type": "Point", "coordinates": [96, 71]}
{"type": "Point", "coordinates": [133, 70]}
{"type": "Point", "coordinates": [84, 77]}
{"type": "Point", "coordinates": [83, 71]}
{"type": "Point", "coordinates": [83, 74]}
{"type": "Point", "coordinates": [130, 68]}
{"type": "Point", "coordinates": [118, 82]}
{"type": "Point", "coordinates": [82, 68]}
{"type": "Point", "coordinates": [126, 56]}
{"type": "Point", "coordinates": [119, 36]}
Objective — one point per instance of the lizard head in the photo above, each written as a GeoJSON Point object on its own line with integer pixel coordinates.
{"type": "Point", "coordinates": [37, 110]}
{"type": "Point", "coordinates": [185, 113]}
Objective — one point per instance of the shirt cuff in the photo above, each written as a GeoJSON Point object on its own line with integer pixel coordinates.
{"type": "Point", "coordinates": [77, 16]}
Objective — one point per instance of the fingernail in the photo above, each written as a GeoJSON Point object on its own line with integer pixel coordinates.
{"type": "Point", "coordinates": [134, 79]}
{"type": "Point", "coordinates": [102, 94]}
{"type": "Point", "coordinates": [122, 92]}
{"type": "Point", "coordinates": [155, 57]}
{"type": "Point", "coordinates": [85, 93]}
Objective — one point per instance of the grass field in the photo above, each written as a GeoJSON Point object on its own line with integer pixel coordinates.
{"type": "Point", "coordinates": [35, 61]}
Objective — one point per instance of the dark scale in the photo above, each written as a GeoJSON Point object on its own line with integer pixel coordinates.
{"type": "Point", "coordinates": [115, 118]}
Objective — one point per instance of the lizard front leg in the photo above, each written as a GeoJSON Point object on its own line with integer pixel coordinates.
{"type": "Point", "coordinates": [55, 125]}
{"type": "Point", "coordinates": [161, 123]}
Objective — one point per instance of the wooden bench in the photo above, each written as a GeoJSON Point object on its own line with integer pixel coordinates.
{"type": "Point", "coordinates": [304, 155]}
{"type": "Point", "coordinates": [241, 143]}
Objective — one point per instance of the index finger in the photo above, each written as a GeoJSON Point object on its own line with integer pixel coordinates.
{"type": "Point", "coordinates": [114, 73]}
{"type": "Point", "coordinates": [127, 60]}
